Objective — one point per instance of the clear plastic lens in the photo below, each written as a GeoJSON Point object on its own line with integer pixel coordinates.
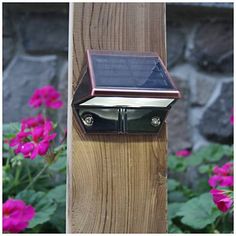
{"type": "Point", "coordinates": [128, 102]}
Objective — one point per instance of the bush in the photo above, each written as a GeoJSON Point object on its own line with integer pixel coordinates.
{"type": "Point", "coordinates": [196, 209]}
{"type": "Point", "coordinates": [34, 170]}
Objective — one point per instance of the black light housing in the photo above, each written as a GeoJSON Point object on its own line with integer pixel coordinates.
{"type": "Point", "coordinates": [123, 92]}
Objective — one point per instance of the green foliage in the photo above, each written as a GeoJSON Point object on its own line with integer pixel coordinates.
{"type": "Point", "coordinates": [173, 229]}
{"type": "Point", "coordinates": [190, 208]}
{"type": "Point", "coordinates": [9, 130]}
{"type": "Point", "coordinates": [43, 204]}
{"type": "Point", "coordinates": [210, 154]}
{"type": "Point", "coordinates": [173, 208]}
{"type": "Point", "coordinates": [172, 184]}
{"type": "Point", "coordinates": [204, 169]}
{"type": "Point", "coordinates": [58, 194]}
{"type": "Point", "coordinates": [176, 164]}
{"type": "Point", "coordinates": [60, 163]}
{"type": "Point", "coordinates": [39, 182]}
{"type": "Point", "coordinates": [198, 212]}
{"type": "Point", "coordinates": [59, 218]}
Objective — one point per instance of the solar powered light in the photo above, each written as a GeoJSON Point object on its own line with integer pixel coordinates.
{"type": "Point", "coordinates": [123, 92]}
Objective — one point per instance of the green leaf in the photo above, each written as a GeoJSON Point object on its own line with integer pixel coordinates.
{"type": "Point", "coordinates": [215, 152]}
{"type": "Point", "coordinates": [60, 148]}
{"type": "Point", "coordinates": [173, 209]}
{"type": "Point", "coordinates": [203, 169]}
{"type": "Point", "coordinates": [6, 148]}
{"type": "Point", "coordinates": [172, 228]}
{"type": "Point", "coordinates": [211, 153]}
{"type": "Point", "coordinates": [44, 206]}
{"type": "Point", "coordinates": [10, 129]}
{"type": "Point", "coordinates": [198, 212]}
{"type": "Point", "coordinates": [202, 186]}
{"type": "Point", "coordinates": [194, 160]}
{"type": "Point", "coordinates": [172, 184]}
{"type": "Point", "coordinates": [177, 164]}
{"type": "Point", "coordinates": [59, 218]}
{"type": "Point", "coordinates": [58, 193]}
{"type": "Point", "coordinates": [7, 180]}
{"type": "Point", "coordinates": [60, 163]}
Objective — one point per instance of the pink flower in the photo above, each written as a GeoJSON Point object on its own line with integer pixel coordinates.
{"type": "Point", "coordinates": [33, 122]}
{"type": "Point", "coordinates": [223, 176]}
{"type": "Point", "coordinates": [226, 169]}
{"type": "Point", "coordinates": [183, 153]}
{"type": "Point", "coordinates": [231, 119]}
{"type": "Point", "coordinates": [214, 180]}
{"type": "Point", "coordinates": [16, 215]}
{"type": "Point", "coordinates": [19, 140]}
{"type": "Point", "coordinates": [223, 181]}
{"type": "Point", "coordinates": [47, 96]}
{"type": "Point", "coordinates": [34, 137]}
{"type": "Point", "coordinates": [222, 201]}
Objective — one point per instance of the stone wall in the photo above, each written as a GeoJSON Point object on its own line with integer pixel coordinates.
{"type": "Point", "coordinates": [35, 53]}
{"type": "Point", "coordinates": [200, 59]}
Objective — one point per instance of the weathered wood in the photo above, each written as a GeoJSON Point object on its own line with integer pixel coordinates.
{"type": "Point", "coordinates": [116, 183]}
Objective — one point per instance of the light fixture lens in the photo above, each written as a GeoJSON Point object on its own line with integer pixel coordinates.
{"type": "Point", "coordinates": [127, 102]}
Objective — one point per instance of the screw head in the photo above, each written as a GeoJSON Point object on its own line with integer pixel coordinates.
{"type": "Point", "coordinates": [156, 121]}
{"type": "Point", "coordinates": [88, 120]}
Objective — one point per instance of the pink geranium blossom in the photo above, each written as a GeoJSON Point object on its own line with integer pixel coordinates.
{"type": "Point", "coordinates": [222, 201]}
{"type": "Point", "coordinates": [16, 215]}
{"type": "Point", "coordinates": [183, 153]}
{"type": "Point", "coordinates": [47, 96]}
{"type": "Point", "coordinates": [226, 169]}
{"type": "Point", "coordinates": [223, 176]}
{"type": "Point", "coordinates": [34, 137]}
{"type": "Point", "coordinates": [33, 122]}
{"type": "Point", "coordinates": [223, 181]}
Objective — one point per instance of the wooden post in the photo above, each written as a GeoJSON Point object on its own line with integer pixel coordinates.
{"type": "Point", "coordinates": [116, 183]}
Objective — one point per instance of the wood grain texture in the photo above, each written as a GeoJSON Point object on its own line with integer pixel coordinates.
{"type": "Point", "coordinates": [116, 183]}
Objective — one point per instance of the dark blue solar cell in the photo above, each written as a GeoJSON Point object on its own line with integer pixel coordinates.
{"type": "Point", "coordinates": [130, 72]}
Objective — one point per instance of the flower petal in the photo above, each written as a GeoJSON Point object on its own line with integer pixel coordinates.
{"type": "Point", "coordinates": [16, 215]}
{"type": "Point", "coordinates": [34, 153]}
{"type": "Point", "coordinates": [43, 148]}
{"type": "Point", "coordinates": [214, 180]}
{"type": "Point", "coordinates": [27, 148]}
{"type": "Point", "coordinates": [222, 201]}
{"type": "Point", "coordinates": [183, 153]}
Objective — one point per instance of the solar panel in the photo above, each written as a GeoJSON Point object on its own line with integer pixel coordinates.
{"type": "Point", "coordinates": [130, 72]}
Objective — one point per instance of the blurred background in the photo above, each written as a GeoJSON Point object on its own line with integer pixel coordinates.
{"type": "Point", "coordinates": [200, 59]}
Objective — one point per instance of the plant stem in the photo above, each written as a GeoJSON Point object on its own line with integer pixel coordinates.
{"type": "Point", "coordinates": [18, 171]}
{"type": "Point", "coordinates": [217, 221]}
{"type": "Point", "coordinates": [36, 177]}
{"type": "Point", "coordinates": [224, 221]}
{"type": "Point", "coordinates": [212, 227]}
{"type": "Point", "coordinates": [29, 174]}
{"type": "Point", "coordinates": [8, 162]}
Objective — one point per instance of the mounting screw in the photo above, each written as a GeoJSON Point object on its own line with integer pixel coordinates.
{"type": "Point", "coordinates": [88, 120]}
{"type": "Point", "coordinates": [156, 121]}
